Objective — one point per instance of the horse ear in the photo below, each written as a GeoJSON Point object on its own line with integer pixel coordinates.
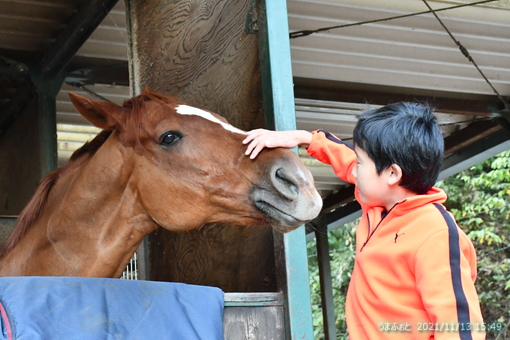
{"type": "Point", "coordinates": [147, 90]}
{"type": "Point", "coordinates": [104, 115]}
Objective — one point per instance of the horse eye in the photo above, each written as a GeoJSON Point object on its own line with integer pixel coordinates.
{"type": "Point", "coordinates": [170, 138]}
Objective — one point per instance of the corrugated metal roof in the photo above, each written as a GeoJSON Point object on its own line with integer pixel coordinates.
{"type": "Point", "coordinates": [29, 25]}
{"type": "Point", "coordinates": [412, 52]}
{"type": "Point", "coordinates": [408, 53]}
{"type": "Point", "coordinates": [109, 40]}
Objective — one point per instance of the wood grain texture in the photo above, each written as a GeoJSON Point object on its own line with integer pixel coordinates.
{"type": "Point", "coordinates": [200, 52]}
{"type": "Point", "coordinates": [254, 323]}
{"type": "Point", "coordinates": [236, 259]}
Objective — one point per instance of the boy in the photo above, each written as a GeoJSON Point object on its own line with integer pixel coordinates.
{"type": "Point", "coordinates": [415, 269]}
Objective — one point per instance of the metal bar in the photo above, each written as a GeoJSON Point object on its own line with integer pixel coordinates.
{"type": "Point", "coordinates": [327, 302]}
{"type": "Point", "coordinates": [278, 95]}
{"type": "Point", "coordinates": [276, 68]}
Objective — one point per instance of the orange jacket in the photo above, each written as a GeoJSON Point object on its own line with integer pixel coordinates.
{"type": "Point", "coordinates": [415, 269]}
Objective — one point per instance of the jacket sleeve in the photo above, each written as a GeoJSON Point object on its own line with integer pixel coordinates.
{"type": "Point", "coordinates": [329, 149]}
{"type": "Point", "coordinates": [445, 272]}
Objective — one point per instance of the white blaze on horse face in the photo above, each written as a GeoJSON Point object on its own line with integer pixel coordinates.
{"type": "Point", "coordinates": [190, 110]}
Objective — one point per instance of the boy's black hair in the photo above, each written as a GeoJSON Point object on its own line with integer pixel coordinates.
{"type": "Point", "coordinates": [406, 134]}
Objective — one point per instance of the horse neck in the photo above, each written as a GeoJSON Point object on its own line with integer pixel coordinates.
{"type": "Point", "coordinates": [93, 221]}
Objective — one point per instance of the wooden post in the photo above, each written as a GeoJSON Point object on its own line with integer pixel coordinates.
{"type": "Point", "coordinates": [204, 53]}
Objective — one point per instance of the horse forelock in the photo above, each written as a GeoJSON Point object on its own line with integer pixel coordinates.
{"type": "Point", "coordinates": [36, 205]}
{"type": "Point", "coordinates": [133, 126]}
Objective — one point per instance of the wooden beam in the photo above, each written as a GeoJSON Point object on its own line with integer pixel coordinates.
{"type": "Point", "coordinates": [470, 134]}
{"type": "Point", "coordinates": [503, 119]}
{"type": "Point", "coordinates": [116, 74]}
{"type": "Point", "coordinates": [338, 199]}
{"type": "Point", "coordinates": [497, 140]}
{"type": "Point", "coordinates": [335, 91]}
{"type": "Point", "coordinates": [79, 29]}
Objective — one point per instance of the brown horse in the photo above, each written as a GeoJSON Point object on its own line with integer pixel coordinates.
{"type": "Point", "coordinates": [158, 162]}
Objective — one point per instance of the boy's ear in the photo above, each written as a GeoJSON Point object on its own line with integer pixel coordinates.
{"type": "Point", "coordinates": [394, 174]}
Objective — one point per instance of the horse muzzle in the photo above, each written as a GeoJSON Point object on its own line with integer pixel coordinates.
{"type": "Point", "coordinates": [287, 196]}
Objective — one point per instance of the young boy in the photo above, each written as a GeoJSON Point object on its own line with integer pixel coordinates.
{"type": "Point", "coordinates": [415, 268]}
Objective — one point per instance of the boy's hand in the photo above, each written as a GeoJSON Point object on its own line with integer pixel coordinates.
{"type": "Point", "coordinates": [260, 139]}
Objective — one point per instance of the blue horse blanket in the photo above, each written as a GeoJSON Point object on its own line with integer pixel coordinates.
{"type": "Point", "coordinates": [77, 308]}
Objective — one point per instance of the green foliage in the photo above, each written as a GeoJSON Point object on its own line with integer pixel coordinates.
{"type": "Point", "coordinates": [479, 199]}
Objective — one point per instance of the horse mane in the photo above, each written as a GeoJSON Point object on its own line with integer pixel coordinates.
{"type": "Point", "coordinates": [37, 203]}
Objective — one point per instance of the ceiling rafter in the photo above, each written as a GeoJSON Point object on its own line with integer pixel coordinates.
{"type": "Point", "coordinates": [81, 26]}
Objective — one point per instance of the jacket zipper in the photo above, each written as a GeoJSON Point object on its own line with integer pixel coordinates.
{"type": "Point", "coordinates": [369, 236]}
{"type": "Point", "coordinates": [371, 233]}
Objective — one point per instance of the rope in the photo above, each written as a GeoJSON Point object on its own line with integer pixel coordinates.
{"type": "Point", "coordinates": [304, 33]}
{"type": "Point", "coordinates": [92, 93]}
{"type": "Point", "coordinates": [465, 52]}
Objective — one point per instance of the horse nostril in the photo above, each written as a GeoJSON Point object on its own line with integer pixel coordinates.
{"type": "Point", "coordinates": [286, 184]}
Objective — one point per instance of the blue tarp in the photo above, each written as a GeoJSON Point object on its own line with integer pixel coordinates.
{"type": "Point", "coordinates": [72, 308]}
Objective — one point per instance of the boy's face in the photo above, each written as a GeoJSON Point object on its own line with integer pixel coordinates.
{"type": "Point", "coordinates": [373, 187]}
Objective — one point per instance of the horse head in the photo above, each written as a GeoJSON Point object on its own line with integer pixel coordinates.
{"type": "Point", "coordinates": [188, 167]}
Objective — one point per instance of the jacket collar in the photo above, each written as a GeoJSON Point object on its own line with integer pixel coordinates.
{"type": "Point", "coordinates": [434, 195]}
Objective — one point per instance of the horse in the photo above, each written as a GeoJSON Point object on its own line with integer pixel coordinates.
{"type": "Point", "coordinates": [158, 162]}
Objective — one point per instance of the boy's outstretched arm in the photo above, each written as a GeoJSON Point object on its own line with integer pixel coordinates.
{"type": "Point", "coordinates": [259, 139]}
